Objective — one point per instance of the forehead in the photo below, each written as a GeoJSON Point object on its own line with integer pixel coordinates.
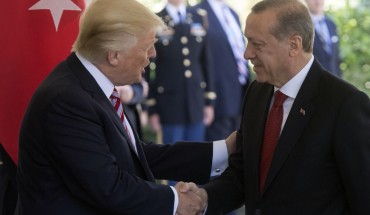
{"type": "Point", "coordinates": [259, 24]}
{"type": "Point", "coordinates": [147, 37]}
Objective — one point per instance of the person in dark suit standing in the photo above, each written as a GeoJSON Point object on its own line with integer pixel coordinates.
{"type": "Point", "coordinates": [326, 43]}
{"type": "Point", "coordinates": [181, 91]}
{"type": "Point", "coordinates": [78, 152]}
{"type": "Point", "coordinates": [303, 145]}
{"type": "Point", "coordinates": [229, 67]}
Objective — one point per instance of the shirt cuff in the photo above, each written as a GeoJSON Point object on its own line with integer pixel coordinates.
{"type": "Point", "coordinates": [176, 202]}
{"type": "Point", "coordinates": [220, 158]}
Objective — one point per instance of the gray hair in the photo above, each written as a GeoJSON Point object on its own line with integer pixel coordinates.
{"type": "Point", "coordinates": [293, 17]}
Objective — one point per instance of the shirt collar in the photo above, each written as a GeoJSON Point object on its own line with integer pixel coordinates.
{"type": "Point", "coordinates": [317, 18]}
{"type": "Point", "coordinates": [104, 83]}
{"type": "Point", "coordinates": [172, 10]}
{"type": "Point", "coordinates": [292, 87]}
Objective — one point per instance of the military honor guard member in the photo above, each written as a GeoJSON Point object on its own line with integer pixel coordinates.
{"type": "Point", "coordinates": [181, 91]}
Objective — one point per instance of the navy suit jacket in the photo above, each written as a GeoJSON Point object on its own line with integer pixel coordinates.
{"type": "Point", "coordinates": [76, 158]}
{"type": "Point", "coordinates": [321, 163]}
{"type": "Point", "coordinates": [330, 61]}
{"type": "Point", "coordinates": [228, 89]}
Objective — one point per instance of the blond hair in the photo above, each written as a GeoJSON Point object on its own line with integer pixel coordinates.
{"type": "Point", "coordinates": [108, 25]}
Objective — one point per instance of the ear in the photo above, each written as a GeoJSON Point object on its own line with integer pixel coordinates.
{"type": "Point", "coordinates": [295, 45]}
{"type": "Point", "coordinates": [113, 57]}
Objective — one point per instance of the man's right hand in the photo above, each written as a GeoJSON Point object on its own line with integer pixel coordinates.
{"type": "Point", "coordinates": [192, 200]}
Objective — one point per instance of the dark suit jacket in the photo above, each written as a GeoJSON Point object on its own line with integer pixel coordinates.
{"type": "Point", "coordinates": [228, 89]}
{"type": "Point", "coordinates": [321, 164]}
{"type": "Point", "coordinates": [180, 91]}
{"type": "Point", "coordinates": [75, 156]}
{"type": "Point", "coordinates": [8, 186]}
{"type": "Point", "coordinates": [330, 61]}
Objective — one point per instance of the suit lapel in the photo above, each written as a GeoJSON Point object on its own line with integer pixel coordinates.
{"type": "Point", "coordinates": [300, 114]}
{"type": "Point", "coordinates": [255, 110]}
{"type": "Point", "coordinates": [140, 152]}
{"type": "Point", "coordinates": [91, 86]}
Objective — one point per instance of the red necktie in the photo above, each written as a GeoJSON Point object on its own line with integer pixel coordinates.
{"type": "Point", "coordinates": [116, 102]}
{"type": "Point", "coordinates": [271, 135]}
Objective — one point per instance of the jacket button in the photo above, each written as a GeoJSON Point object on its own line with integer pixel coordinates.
{"type": "Point", "coordinates": [184, 40]}
{"type": "Point", "coordinates": [257, 212]}
{"type": "Point", "coordinates": [186, 62]}
{"type": "Point", "coordinates": [188, 74]}
{"type": "Point", "coordinates": [160, 89]}
{"type": "Point", "coordinates": [185, 51]}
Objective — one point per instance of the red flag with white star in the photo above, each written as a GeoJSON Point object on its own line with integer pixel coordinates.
{"type": "Point", "coordinates": [35, 36]}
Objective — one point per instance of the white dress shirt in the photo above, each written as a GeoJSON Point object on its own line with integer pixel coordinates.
{"type": "Point", "coordinates": [291, 89]}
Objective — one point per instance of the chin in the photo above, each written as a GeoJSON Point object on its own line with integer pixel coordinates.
{"type": "Point", "coordinates": [260, 79]}
{"type": "Point", "coordinates": [136, 80]}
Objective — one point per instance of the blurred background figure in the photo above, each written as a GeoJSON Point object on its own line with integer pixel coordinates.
{"type": "Point", "coordinates": [230, 68]}
{"type": "Point", "coordinates": [326, 43]}
{"type": "Point", "coordinates": [231, 73]}
{"type": "Point", "coordinates": [181, 97]}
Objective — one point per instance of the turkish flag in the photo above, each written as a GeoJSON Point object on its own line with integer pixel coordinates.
{"type": "Point", "coordinates": [35, 36]}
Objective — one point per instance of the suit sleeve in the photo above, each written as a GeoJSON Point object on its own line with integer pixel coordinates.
{"type": "Point", "coordinates": [225, 193]}
{"type": "Point", "coordinates": [182, 161]}
{"type": "Point", "coordinates": [352, 151]}
{"type": "Point", "coordinates": [78, 149]}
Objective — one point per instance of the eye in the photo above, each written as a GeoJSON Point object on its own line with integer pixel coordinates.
{"type": "Point", "coordinates": [257, 45]}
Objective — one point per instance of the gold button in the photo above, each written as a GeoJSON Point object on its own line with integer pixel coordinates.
{"type": "Point", "coordinates": [160, 89]}
{"type": "Point", "coordinates": [150, 102]}
{"type": "Point", "coordinates": [184, 40]}
{"type": "Point", "coordinates": [210, 95]}
{"type": "Point", "coordinates": [185, 51]}
{"type": "Point", "coordinates": [188, 73]}
{"type": "Point", "coordinates": [203, 84]}
{"type": "Point", "coordinates": [187, 62]}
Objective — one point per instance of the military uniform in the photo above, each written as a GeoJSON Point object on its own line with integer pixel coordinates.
{"type": "Point", "coordinates": [180, 80]}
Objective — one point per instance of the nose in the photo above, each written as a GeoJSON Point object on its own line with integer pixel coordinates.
{"type": "Point", "coordinates": [152, 52]}
{"type": "Point", "coordinates": [249, 53]}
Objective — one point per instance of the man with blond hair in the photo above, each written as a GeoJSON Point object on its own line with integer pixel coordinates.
{"type": "Point", "coordinates": [78, 152]}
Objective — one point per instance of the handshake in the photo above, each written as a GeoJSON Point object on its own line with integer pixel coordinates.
{"type": "Point", "coordinates": [192, 200]}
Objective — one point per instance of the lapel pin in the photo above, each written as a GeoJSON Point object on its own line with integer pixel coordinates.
{"type": "Point", "coordinates": [302, 111]}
